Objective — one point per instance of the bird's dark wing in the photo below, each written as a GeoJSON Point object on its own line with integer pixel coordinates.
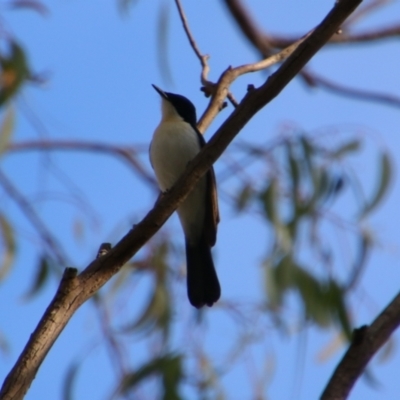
{"type": "Point", "coordinates": [212, 212]}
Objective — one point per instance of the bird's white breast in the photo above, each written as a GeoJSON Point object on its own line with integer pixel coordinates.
{"type": "Point", "coordinates": [174, 145]}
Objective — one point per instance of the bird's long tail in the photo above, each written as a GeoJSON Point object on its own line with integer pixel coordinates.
{"type": "Point", "coordinates": [202, 280]}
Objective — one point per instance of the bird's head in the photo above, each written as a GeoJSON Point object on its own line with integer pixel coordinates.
{"type": "Point", "coordinates": [175, 106]}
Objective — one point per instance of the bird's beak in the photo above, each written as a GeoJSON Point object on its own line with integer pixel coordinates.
{"type": "Point", "coordinates": [160, 92]}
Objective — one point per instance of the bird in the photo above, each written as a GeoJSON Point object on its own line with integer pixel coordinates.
{"type": "Point", "coordinates": [175, 142]}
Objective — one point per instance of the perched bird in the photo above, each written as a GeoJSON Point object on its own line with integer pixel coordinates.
{"type": "Point", "coordinates": [176, 141]}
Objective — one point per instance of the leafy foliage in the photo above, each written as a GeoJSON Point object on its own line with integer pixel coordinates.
{"type": "Point", "coordinates": [14, 70]}
{"type": "Point", "coordinates": [299, 192]}
{"type": "Point", "coordinates": [168, 367]}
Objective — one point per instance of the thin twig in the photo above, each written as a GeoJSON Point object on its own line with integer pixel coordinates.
{"type": "Point", "coordinates": [126, 153]}
{"type": "Point", "coordinates": [232, 99]}
{"type": "Point", "coordinates": [271, 60]}
{"type": "Point", "coordinates": [227, 78]}
{"type": "Point", "coordinates": [26, 207]}
{"type": "Point", "coordinates": [202, 58]}
{"type": "Point", "coordinates": [315, 80]}
{"type": "Point", "coordinates": [265, 43]}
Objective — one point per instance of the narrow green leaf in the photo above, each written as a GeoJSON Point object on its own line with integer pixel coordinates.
{"type": "Point", "coordinates": [284, 272]}
{"type": "Point", "coordinates": [167, 366]}
{"type": "Point", "coordinates": [132, 379]}
{"type": "Point", "coordinates": [6, 129]}
{"type": "Point", "coordinates": [9, 245]}
{"type": "Point", "coordinates": [344, 149]}
{"type": "Point", "coordinates": [268, 198]}
{"type": "Point", "coordinates": [313, 296]}
{"type": "Point", "coordinates": [382, 185]}
{"type": "Point", "coordinates": [294, 169]}
{"type": "Point", "coordinates": [172, 376]}
{"type": "Point", "coordinates": [244, 196]}
{"type": "Point", "coordinates": [338, 308]}
{"type": "Point", "coordinates": [273, 289]}
{"type": "Point", "coordinates": [14, 70]}
{"type": "Point", "coordinates": [324, 184]}
{"type": "Point", "coordinates": [42, 274]}
{"type": "Point", "coordinates": [308, 151]}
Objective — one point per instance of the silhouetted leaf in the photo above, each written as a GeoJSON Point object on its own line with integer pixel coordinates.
{"type": "Point", "coordinates": [157, 312]}
{"type": "Point", "coordinates": [6, 129]}
{"type": "Point", "coordinates": [279, 278]}
{"type": "Point", "coordinates": [172, 375]}
{"type": "Point", "coordinates": [308, 151]}
{"type": "Point", "coordinates": [338, 308]}
{"type": "Point", "coordinates": [268, 198]}
{"type": "Point", "coordinates": [344, 149]}
{"type": "Point", "coordinates": [243, 197]}
{"type": "Point", "coordinates": [14, 70]}
{"type": "Point", "coordinates": [274, 290]}
{"type": "Point", "coordinates": [322, 185]}
{"type": "Point", "coordinates": [168, 367]}
{"type": "Point", "coordinates": [8, 240]}
{"type": "Point", "coordinates": [312, 295]}
{"type": "Point", "coordinates": [294, 169]}
{"type": "Point", "coordinates": [284, 272]}
{"type": "Point", "coordinates": [42, 274]}
{"type": "Point", "coordinates": [382, 185]}
{"type": "Point", "coordinates": [154, 313]}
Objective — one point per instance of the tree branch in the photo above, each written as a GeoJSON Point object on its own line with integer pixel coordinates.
{"type": "Point", "coordinates": [75, 290]}
{"type": "Point", "coordinates": [203, 58]}
{"type": "Point", "coordinates": [367, 340]}
{"type": "Point", "coordinates": [267, 43]}
{"type": "Point", "coordinates": [125, 153]}
{"type": "Point", "coordinates": [316, 80]}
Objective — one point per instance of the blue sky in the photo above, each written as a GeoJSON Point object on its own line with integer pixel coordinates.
{"type": "Point", "coordinates": [100, 66]}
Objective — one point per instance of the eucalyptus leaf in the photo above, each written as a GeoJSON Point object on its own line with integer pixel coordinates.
{"type": "Point", "coordinates": [168, 367]}
{"type": "Point", "coordinates": [41, 277]}
{"type": "Point", "coordinates": [382, 184]}
{"type": "Point", "coordinates": [6, 129]}
{"type": "Point", "coordinates": [9, 246]}
{"type": "Point", "coordinates": [14, 71]}
{"type": "Point", "coordinates": [344, 149]}
{"type": "Point", "coordinates": [268, 198]}
{"type": "Point", "coordinates": [244, 196]}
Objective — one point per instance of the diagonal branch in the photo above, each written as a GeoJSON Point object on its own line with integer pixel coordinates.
{"type": "Point", "coordinates": [75, 290]}
{"type": "Point", "coordinates": [367, 340]}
